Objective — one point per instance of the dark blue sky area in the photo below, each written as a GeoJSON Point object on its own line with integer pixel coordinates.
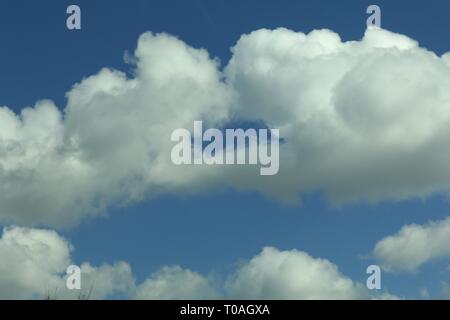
{"type": "Point", "coordinates": [42, 59]}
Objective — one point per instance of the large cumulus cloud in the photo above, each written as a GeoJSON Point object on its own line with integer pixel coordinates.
{"type": "Point", "coordinates": [112, 142]}
{"type": "Point", "coordinates": [361, 120]}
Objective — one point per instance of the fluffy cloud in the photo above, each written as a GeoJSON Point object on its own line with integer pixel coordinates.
{"type": "Point", "coordinates": [272, 274]}
{"type": "Point", "coordinates": [31, 261]}
{"type": "Point", "coordinates": [106, 281]}
{"type": "Point", "coordinates": [413, 246]}
{"type": "Point", "coordinates": [34, 261]}
{"type": "Point", "coordinates": [362, 120]}
{"type": "Point", "coordinates": [275, 274]}
{"type": "Point", "coordinates": [112, 143]}
{"type": "Point", "coordinates": [176, 283]}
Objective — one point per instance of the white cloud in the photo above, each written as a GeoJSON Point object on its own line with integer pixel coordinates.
{"type": "Point", "coordinates": [113, 143]}
{"type": "Point", "coordinates": [362, 120]}
{"type": "Point", "coordinates": [30, 262]}
{"type": "Point", "coordinates": [176, 283]}
{"type": "Point", "coordinates": [272, 274]}
{"type": "Point", "coordinates": [275, 274]}
{"type": "Point", "coordinates": [33, 264]}
{"type": "Point", "coordinates": [413, 246]}
{"type": "Point", "coordinates": [107, 280]}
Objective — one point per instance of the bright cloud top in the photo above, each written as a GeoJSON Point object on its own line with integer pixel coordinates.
{"type": "Point", "coordinates": [362, 120]}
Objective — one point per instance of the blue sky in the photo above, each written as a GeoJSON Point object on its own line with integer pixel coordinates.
{"type": "Point", "coordinates": [111, 28]}
{"type": "Point", "coordinates": [211, 232]}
